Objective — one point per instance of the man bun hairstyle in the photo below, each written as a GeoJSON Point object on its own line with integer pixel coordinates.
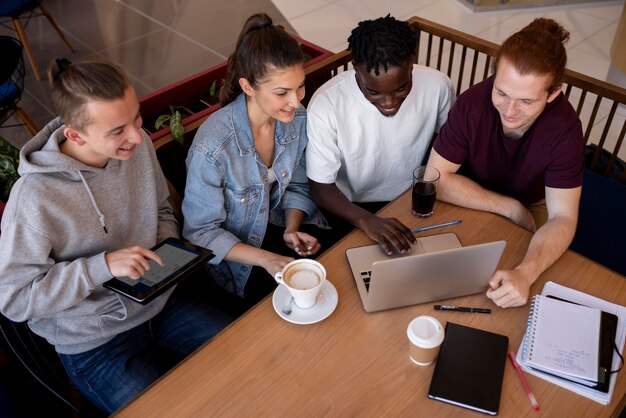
{"type": "Point", "coordinates": [537, 49]}
{"type": "Point", "coordinates": [74, 84]}
{"type": "Point", "coordinates": [261, 47]}
{"type": "Point", "coordinates": [381, 43]}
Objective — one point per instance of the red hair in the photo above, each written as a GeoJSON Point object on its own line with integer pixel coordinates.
{"type": "Point", "coordinates": [537, 49]}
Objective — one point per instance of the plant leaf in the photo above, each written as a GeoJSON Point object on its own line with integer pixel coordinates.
{"type": "Point", "coordinates": [212, 89]}
{"type": "Point", "coordinates": [177, 128]}
{"type": "Point", "coordinates": [8, 149]}
{"type": "Point", "coordinates": [8, 174]}
{"type": "Point", "coordinates": [161, 121]}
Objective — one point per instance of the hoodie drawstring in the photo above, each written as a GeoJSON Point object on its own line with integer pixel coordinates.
{"type": "Point", "coordinates": [93, 202]}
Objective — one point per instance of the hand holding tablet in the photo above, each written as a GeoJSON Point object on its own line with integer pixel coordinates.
{"type": "Point", "coordinates": [179, 260]}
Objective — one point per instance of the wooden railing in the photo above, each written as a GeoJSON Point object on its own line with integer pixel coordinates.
{"type": "Point", "coordinates": [439, 47]}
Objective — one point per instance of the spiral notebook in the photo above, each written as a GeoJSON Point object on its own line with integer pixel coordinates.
{"type": "Point", "coordinates": [563, 339]}
{"type": "Point", "coordinates": [570, 340]}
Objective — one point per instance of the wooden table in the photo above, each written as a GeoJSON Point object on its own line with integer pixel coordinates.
{"type": "Point", "coordinates": [357, 364]}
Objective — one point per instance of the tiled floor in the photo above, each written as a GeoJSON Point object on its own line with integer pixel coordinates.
{"type": "Point", "coordinates": [160, 42]}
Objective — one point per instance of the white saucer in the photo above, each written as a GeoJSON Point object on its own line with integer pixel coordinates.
{"type": "Point", "coordinates": [326, 304]}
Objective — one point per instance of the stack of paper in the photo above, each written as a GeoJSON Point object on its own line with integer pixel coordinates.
{"type": "Point", "coordinates": [575, 296]}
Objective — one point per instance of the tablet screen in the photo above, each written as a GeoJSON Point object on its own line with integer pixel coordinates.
{"type": "Point", "coordinates": [174, 257]}
{"type": "Point", "coordinates": [181, 258]}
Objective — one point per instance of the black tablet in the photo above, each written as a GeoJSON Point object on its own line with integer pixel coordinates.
{"type": "Point", "coordinates": [181, 258]}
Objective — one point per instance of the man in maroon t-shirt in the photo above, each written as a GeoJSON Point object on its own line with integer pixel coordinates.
{"type": "Point", "coordinates": [513, 145]}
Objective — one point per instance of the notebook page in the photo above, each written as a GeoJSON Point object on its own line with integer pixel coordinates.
{"type": "Point", "coordinates": [555, 289]}
{"type": "Point", "coordinates": [565, 338]}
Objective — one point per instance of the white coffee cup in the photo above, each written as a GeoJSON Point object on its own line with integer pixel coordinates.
{"type": "Point", "coordinates": [425, 336]}
{"type": "Point", "coordinates": [304, 279]}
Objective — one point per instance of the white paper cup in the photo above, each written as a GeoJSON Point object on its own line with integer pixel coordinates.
{"type": "Point", "coordinates": [304, 279]}
{"type": "Point", "coordinates": [425, 336]}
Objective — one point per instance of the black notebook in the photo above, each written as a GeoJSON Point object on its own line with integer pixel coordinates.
{"type": "Point", "coordinates": [470, 368]}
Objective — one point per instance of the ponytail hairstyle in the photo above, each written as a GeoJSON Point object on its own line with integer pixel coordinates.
{"type": "Point", "coordinates": [537, 49]}
{"type": "Point", "coordinates": [74, 84]}
{"type": "Point", "coordinates": [381, 43]}
{"type": "Point", "coordinates": [261, 48]}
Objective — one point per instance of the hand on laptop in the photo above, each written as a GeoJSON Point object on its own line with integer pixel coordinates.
{"type": "Point", "coordinates": [390, 233]}
{"type": "Point", "coordinates": [509, 288]}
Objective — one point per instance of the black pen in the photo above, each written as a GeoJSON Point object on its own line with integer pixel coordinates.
{"type": "Point", "coordinates": [461, 309]}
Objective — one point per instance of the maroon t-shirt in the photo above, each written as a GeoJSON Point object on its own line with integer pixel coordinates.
{"type": "Point", "coordinates": [551, 152]}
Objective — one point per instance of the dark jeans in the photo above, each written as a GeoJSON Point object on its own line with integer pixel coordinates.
{"type": "Point", "coordinates": [117, 371]}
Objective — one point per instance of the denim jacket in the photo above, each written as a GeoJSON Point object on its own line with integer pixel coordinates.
{"type": "Point", "coordinates": [228, 198]}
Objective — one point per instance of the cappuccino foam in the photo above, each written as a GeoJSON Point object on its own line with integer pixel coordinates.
{"type": "Point", "coordinates": [302, 277]}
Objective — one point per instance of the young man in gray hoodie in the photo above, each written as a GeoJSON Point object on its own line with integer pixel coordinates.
{"type": "Point", "coordinates": [90, 203]}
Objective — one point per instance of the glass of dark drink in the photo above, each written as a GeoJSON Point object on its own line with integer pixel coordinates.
{"type": "Point", "coordinates": [425, 184]}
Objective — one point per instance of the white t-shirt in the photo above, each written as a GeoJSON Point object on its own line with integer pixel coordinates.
{"type": "Point", "coordinates": [371, 157]}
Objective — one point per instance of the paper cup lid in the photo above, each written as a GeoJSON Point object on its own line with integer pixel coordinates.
{"type": "Point", "coordinates": [425, 331]}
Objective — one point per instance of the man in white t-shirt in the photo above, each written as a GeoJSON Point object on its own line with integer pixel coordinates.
{"type": "Point", "coordinates": [370, 127]}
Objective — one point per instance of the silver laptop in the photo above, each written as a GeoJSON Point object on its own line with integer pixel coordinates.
{"type": "Point", "coordinates": [437, 267]}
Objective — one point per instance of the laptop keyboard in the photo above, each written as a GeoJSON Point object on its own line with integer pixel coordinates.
{"type": "Point", "coordinates": [366, 276]}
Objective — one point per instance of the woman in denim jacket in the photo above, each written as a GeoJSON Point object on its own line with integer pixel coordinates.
{"type": "Point", "coordinates": [246, 166]}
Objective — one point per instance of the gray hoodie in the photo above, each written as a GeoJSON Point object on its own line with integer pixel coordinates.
{"type": "Point", "coordinates": [60, 220]}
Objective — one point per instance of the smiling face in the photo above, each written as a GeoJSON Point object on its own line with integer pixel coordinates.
{"type": "Point", "coordinates": [519, 99]}
{"type": "Point", "coordinates": [113, 130]}
{"type": "Point", "coordinates": [277, 96]}
{"type": "Point", "coordinates": [388, 90]}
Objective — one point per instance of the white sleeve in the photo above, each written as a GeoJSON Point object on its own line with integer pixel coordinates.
{"type": "Point", "coordinates": [323, 156]}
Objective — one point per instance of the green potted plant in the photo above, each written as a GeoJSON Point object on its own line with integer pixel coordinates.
{"type": "Point", "coordinates": [9, 160]}
{"type": "Point", "coordinates": [174, 121]}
